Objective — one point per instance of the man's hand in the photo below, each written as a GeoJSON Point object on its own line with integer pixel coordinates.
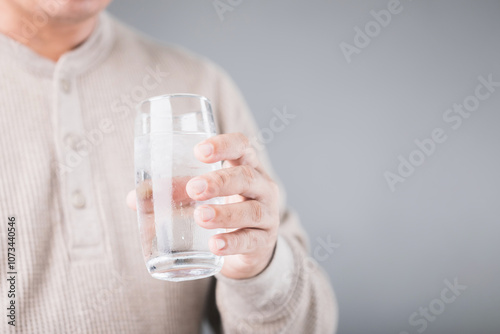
{"type": "Point", "coordinates": [251, 211]}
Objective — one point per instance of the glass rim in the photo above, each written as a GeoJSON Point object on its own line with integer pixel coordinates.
{"type": "Point", "coordinates": [170, 96]}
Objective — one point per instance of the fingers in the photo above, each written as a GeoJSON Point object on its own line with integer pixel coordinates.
{"type": "Point", "coordinates": [242, 241]}
{"type": "Point", "coordinates": [131, 200]}
{"type": "Point", "coordinates": [142, 196]}
{"type": "Point", "coordinates": [241, 180]}
{"type": "Point", "coordinates": [229, 216]}
{"type": "Point", "coordinates": [234, 147]}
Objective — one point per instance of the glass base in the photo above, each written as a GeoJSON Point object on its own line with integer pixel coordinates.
{"type": "Point", "coordinates": [184, 266]}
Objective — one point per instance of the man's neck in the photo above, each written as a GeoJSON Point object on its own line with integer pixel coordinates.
{"type": "Point", "coordinates": [45, 37]}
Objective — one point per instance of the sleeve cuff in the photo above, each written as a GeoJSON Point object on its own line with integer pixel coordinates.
{"type": "Point", "coordinates": [268, 290]}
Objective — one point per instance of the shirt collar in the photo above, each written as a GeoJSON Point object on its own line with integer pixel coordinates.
{"type": "Point", "coordinates": [87, 55]}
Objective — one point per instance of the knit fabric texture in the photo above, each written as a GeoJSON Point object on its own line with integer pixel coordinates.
{"type": "Point", "coordinates": [67, 132]}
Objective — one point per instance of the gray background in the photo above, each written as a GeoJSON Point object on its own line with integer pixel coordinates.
{"type": "Point", "coordinates": [352, 122]}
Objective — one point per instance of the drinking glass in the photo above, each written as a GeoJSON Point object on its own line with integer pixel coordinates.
{"type": "Point", "coordinates": [167, 128]}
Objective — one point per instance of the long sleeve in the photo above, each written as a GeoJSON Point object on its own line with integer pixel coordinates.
{"type": "Point", "coordinates": [293, 294]}
{"type": "Point", "coordinates": [67, 132]}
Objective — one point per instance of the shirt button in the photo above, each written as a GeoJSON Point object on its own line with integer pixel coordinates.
{"type": "Point", "coordinates": [77, 199]}
{"type": "Point", "coordinates": [71, 140]}
{"type": "Point", "coordinates": [65, 85]}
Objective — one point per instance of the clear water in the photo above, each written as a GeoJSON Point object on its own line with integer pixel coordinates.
{"type": "Point", "coordinates": [175, 248]}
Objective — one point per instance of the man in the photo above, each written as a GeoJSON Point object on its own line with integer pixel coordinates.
{"type": "Point", "coordinates": [70, 77]}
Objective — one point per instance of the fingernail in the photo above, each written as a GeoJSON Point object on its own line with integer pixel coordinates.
{"type": "Point", "coordinates": [206, 149]}
{"type": "Point", "coordinates": [206, 213]}
{"type": "Point", "coordinates": [198, 186]}
{"type": "Point", "coordinates": [220, 243]}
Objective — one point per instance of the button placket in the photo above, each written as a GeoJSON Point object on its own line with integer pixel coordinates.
{"type": "Point", "coordinates": [81, 215]}
{"type": "Point", "coordinates": [65, 85]}
{"type": "Point", "coordinates": [71, 140]}
{"type": "Point", "coordinates": [78, 199]}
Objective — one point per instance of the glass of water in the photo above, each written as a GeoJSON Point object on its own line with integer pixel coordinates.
{"type": "Point", "coordinates": [167, 128]}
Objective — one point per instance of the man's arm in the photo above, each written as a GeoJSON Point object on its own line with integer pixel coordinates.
{"type": "Point", "coordinates": [292, 294]}
{"type": "Point", "coordinates": [268, 283]}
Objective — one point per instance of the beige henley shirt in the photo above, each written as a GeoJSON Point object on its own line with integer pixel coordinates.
{"type": "Point", "coordinates": [66, 166]}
